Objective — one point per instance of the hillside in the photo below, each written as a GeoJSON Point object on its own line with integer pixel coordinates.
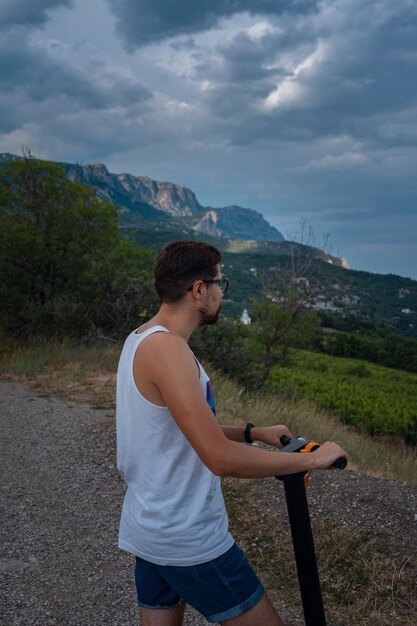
{"type": "Point", "coordinates": [257, 260]}
{"type": "Point", "coordinates": [147, 203]}
{"type": "Point", "coordinates": [261, 269]}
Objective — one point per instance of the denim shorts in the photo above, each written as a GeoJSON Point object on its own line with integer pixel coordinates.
{"type": "Point", "coordinates": [219, 589]}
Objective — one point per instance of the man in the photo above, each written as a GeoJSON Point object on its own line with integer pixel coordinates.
{"type": "Point", "coordinates": [172, 453]}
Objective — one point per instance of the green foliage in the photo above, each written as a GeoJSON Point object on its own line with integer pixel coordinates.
{"type": "Point", "coordinates": [225, 346]}
{"type": "Point", "coordinates": [257, 268]}
{"type": "Point", "coordinates": [378, 346]}
{"type": "Point", "coordinates": [248, 353]}
{"type": "Point", "coordinates": [63, 268]}
{"type": "Point", "coordinates": [375, 399]}
{"type": "Point", "coordinates": [277, 328]}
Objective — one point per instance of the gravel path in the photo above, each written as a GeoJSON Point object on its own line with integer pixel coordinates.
{"type": "Point", "coordinates": [60, 500]}
{"type": "Point", "coordinates": [61, 497]}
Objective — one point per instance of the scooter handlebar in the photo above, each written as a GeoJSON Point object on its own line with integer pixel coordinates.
{"type": "Point", "coordinates": [340, 463]}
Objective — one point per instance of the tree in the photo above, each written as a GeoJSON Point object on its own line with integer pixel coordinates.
{"type": "Point", "coordinates": [59, 246]}
{"type": "Point", "coordinates": [224, 345]}
{"type": "Point", "coordinates": [278, 328]}
{"type": "Point", "coordinates": [283, 321]}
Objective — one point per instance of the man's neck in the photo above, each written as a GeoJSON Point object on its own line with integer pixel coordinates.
{"type": "Point", "coordinates": [176, 319]}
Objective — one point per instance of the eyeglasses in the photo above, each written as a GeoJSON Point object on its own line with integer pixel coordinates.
{"type": "Point", "coordinates": [222, 282]}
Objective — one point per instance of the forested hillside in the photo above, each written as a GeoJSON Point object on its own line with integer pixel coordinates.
{"type": "Point", "coordinates": [260, 269]}
{"type": "Point", "coordinates": [66, 273]}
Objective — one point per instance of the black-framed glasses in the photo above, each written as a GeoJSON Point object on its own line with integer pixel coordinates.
{"type": "Point", "coordinates": [223, 283]}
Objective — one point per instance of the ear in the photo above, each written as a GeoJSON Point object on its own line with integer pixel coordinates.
{"type": "Point", "coordinates": [198, 289]}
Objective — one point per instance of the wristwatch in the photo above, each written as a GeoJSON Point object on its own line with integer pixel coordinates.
{"type": "Point", "coordinates": [246, 432]}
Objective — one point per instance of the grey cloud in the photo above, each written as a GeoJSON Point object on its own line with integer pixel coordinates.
{"type": "Point", "coordinates": [51, 101]}
{"type": "Point", "coordinates": [140, 22]}
{"type": "Point", "coordinates": [28, 12]}
{"type": "Point", "coordinates": [359, 85]}
{"type": "Point", "coordinates": [248, 59]}
{"type": "Point", "coordinates": [185, 44]}
{"type": "Point", "coordinates": [65, 106]}
{"type": "Point", "coordinates": [34, 75]}
{"type": "Point", "coordinates": [12, 113]}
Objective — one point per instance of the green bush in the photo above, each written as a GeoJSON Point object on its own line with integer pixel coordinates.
{"type": "Point", "coordinates": [63, 268]}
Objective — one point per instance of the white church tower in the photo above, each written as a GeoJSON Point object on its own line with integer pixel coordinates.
{"type": "Point", "coordinates": [245, 319]}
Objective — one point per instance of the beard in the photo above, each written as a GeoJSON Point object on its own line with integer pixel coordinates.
{"type": "Point", "coordinates": [206, 319]}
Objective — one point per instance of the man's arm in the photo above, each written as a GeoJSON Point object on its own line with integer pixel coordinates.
{"type": "Point", "coordinates": [170, 366]}
{"type": "Point", "coordinates": [271, 435]}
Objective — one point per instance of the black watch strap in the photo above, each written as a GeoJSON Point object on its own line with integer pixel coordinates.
{"type": "Point", "coordinates": [246, 432]}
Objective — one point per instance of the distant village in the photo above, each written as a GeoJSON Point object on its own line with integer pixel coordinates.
{"type": "Point", "coordinates": [320, 301]}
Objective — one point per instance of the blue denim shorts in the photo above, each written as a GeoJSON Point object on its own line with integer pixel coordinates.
{"type": "Point", "coordinates": [219, 589]}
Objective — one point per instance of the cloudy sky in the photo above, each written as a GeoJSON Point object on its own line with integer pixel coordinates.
{"type": "Point", "coordinates": [300, 109]}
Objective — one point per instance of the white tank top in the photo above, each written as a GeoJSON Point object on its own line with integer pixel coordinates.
{"type": "Point", "coordinates": [173, 511]}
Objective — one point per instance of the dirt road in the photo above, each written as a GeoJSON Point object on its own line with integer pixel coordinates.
{"type": "Point", "coordinates": [60, 501]}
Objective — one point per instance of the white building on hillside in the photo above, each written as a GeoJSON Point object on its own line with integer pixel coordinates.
{"type": "Point", "coordinates": [245, 319]}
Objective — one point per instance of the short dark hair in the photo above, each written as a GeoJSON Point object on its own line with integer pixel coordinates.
{"type": "Point", "coordinates": [179, 263]}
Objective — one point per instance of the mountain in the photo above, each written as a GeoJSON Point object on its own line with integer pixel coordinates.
{"type": "Point", "coordinates": [235, 222]}
{"type": "Point", "coordinates": [258, 269]}
{"type": "Point", "coordinates": [140, 198]}
{"type": "Point", "coordinates": [143, 202]}
{"type": "Point", "coordinates": [255, 256]}
{"type": "Point", "coordinates": [126, 191]}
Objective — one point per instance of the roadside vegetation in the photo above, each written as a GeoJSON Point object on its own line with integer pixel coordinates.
{"type": "Point", "coordinates": [88, 374]}
{"type": "Point", "coordinates": [64, 270]}
{"type": "Point", "coordinates": [361, 583]}
{"type": "Point", "coordinates": [374, 399]}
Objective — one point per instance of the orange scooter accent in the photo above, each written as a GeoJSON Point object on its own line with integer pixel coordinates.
{"type": "Point", "coordinates": [310, 446]}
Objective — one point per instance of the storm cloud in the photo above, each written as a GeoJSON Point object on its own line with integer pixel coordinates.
{"type": "Point", "coordinates": [140, 22]}
{"type": "Point", "coordinates": [29, 13]}
{"type": "Point", "coordinates": [317, 75]}
{"type": "Point", "coordinates": [50, 96]}
{"type": "Point", "coordinates": [295, 108]}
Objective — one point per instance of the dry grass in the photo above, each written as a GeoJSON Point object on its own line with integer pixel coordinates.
{"type": "Point", "coordinates": [368, 454]}
{"type": "Point", "coordinates": [360, 584]}
{"type": "Point", "coordinates": [72, 372]}
{"type": "Point", "coordinates": [88, 375]}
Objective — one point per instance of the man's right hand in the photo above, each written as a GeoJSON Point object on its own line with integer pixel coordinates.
{"type": "Point", "coordinates": [327, 454]}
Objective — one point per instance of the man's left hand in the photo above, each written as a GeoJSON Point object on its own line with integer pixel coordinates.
{"type": "Point", "coordinates": [271, 435]}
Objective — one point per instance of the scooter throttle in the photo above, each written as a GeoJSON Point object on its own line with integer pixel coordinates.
{"type": "Point", "coordinates": [340, 463]}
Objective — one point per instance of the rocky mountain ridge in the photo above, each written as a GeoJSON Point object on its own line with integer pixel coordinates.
{"type": "Point", "coordinates": [165, 197]}
{"type": "Point", "coordinates": [142, 201]}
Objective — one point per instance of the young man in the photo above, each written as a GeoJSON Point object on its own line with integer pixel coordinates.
{"type": "Point", "coordinates": [172, 452]}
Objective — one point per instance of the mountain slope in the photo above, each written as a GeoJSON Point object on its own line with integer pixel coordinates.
{"type": "Point", "coordinates": [152, 213]}
{"type": "Point", "coordinates": [144, 202]}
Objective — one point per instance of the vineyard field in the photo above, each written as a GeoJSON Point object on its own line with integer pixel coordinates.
{"type": "Point", "coordinates": [375, 399]}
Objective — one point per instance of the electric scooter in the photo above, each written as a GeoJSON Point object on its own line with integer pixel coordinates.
{"type": "Point", "coordinates": [302, 536]}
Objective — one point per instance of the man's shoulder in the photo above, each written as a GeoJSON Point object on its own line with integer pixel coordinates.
{"type": "Point", "coordinates": [166, 354]}
{"type": "Point", "coordinates": [163, 342]}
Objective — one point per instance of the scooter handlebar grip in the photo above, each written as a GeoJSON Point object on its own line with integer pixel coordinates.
{"type": "Point", "coordinates": [340, 463]}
